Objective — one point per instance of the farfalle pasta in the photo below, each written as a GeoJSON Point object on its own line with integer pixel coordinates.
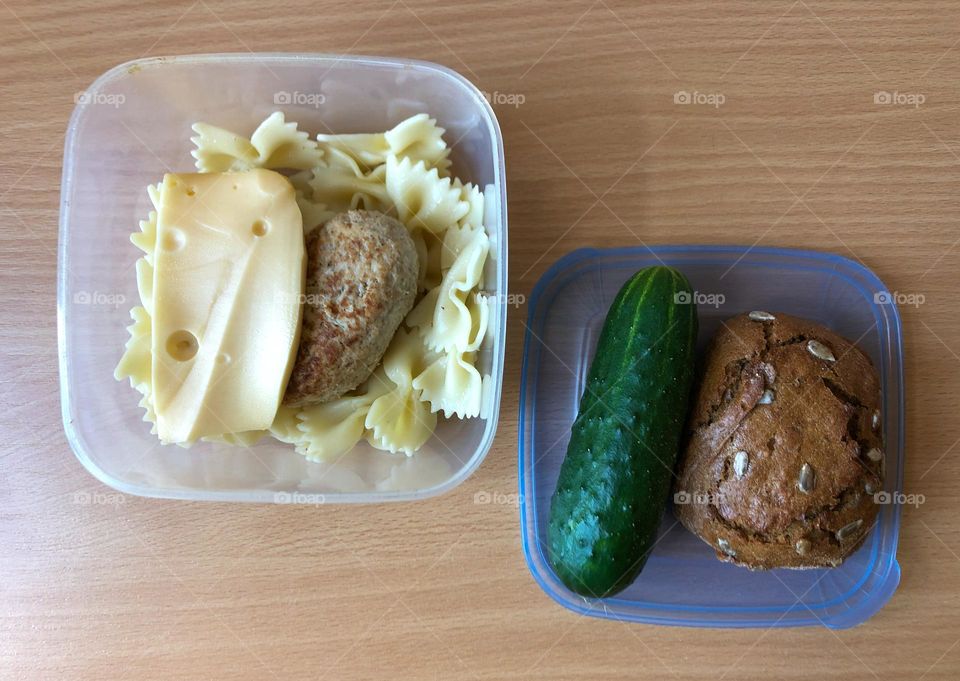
{"type": "Point", "coordinates": [275, 144]}
{"type": "Point", "coordinates": [429, 251]}
{"type": "Point", "coordinates": [452, 384]}
{"type": "Point", "coordinates": [423, 199]}
{"type": "Point", "coordinates": [430, 364]}
{"type": "Point", "coordinates": [417, 138]}
{"type": "Point", "coordinates": [331, 429]}
{"type": "Point", "coordinates": [442, 316]}
{"type": "Point", "coordinates": [341, 184]}
{"type": "Point", "coordinates": [399, 420]}
{"type": "Point", "coordinates": [136, 362]}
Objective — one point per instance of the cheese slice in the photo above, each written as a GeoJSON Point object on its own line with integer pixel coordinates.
{"type": "Point", "coordinates": [227, 290]}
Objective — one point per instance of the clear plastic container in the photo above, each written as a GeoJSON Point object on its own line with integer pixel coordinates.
{"type": "Point", "coordinates": [683, 583]}
{"type": "Point", "coordinates": [131, 126]}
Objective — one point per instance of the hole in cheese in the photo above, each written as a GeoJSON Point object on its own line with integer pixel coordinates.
{"type": "Point", "coordinates": [173, 240]}
{"type": "Point", "coordinates": [182, 345]}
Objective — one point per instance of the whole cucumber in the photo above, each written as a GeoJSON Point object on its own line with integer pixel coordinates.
{"type": "Point", "coordinates": [616, 477]}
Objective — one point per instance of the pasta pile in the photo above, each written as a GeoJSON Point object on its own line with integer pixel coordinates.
{"type": "Point", "coordinates": [429, 366]}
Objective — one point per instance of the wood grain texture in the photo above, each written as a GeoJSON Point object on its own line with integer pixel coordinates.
{"type": "Point", "coordinates": [598, 153]}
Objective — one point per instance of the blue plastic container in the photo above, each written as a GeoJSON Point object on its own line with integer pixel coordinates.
{"type": "Point", "coordinates": [683, 583]}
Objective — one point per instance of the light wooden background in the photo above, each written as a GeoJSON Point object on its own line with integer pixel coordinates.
{"type": "Point", "coordinates": [598, 153]}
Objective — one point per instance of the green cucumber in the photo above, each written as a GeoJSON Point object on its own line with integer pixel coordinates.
{"type": "Point", "coordinates": [616, 477]}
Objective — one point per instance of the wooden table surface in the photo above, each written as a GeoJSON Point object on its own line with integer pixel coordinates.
{"type": "Point", "coordinates": [799, 152]}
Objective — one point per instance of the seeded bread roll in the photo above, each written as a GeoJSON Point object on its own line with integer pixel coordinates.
{"type": "Point", "coordinates": [785, 450]}
{"type": "Point", "coordinates": [361, 282]}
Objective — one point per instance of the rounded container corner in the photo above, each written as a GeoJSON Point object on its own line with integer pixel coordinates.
{"type": "Point", "coordinates": [879, 598]}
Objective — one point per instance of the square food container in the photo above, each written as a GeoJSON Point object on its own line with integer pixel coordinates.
{"type": "Point", "coordinates": [132, 126]}
{"type": "Point", "coordinates": [683, 583]}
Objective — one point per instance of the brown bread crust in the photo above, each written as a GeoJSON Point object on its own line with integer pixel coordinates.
{"type": "Point", "coordinates": [823, 414]}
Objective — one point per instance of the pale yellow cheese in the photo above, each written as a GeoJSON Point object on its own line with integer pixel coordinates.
{"type": "Point", "coordinates": [227, 290]}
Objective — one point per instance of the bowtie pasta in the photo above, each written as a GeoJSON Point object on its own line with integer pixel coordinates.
{"type": "Point", "coordinates": [430, 365]}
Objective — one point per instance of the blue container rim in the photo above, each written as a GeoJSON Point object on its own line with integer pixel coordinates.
{"type": "Point", "coordinates": [650, 613]}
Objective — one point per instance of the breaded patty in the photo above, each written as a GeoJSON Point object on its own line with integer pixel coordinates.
{"type": "Point", "coordinates": [361, 283]}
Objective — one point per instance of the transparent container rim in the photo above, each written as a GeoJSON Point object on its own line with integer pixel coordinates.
{"type": "Point", "coordinates": [75, 439]}
{"type": "Point", "coordinates": [668, 615]}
